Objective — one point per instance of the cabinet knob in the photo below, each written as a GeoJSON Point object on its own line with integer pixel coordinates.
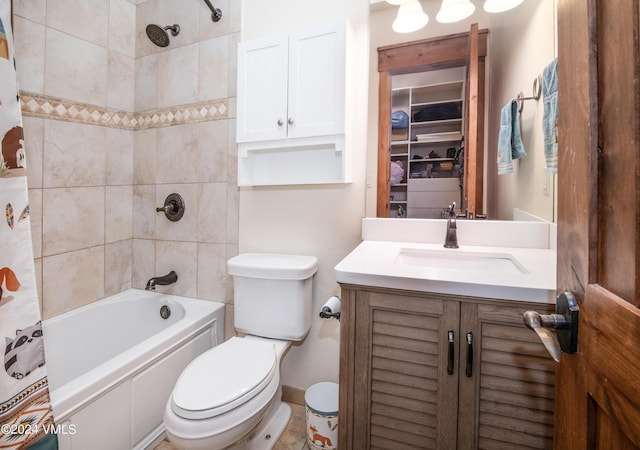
{"type": "Point", "coordinates": [290, 120]}
{"type": "Point", "coordinates": [280, 122]}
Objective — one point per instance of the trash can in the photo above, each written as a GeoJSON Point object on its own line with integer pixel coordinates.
{"type": "Point", "coordinates": [321, 405]}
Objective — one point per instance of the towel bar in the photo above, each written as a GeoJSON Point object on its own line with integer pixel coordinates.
{"type": "Point", "coordinates": [537, 92]}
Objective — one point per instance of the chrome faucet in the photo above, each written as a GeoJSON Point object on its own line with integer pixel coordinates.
{"type": "Point", "coordinates": [169, 278]}
{"type": "Point", "coordinates": [451, 239]}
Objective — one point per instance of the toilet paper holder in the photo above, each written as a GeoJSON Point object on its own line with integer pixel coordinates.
{"type": "Point", "coordinates": [331, 309]}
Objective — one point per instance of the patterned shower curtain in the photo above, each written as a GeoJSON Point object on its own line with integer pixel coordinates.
{"type": "Point", "coordinates": [26, 419]}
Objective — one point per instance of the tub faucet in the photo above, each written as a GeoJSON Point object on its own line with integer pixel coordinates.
{"type": "Point", "coordinates": [169, 278]}
{"type": "Point", "coordinates": [451, 239]}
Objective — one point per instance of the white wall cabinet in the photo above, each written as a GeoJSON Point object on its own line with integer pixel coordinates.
{"type": "Point", "coordinates": [292, 107]}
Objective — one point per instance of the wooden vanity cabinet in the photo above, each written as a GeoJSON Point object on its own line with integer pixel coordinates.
{"type": "Point", "coordinates": [404, 385]}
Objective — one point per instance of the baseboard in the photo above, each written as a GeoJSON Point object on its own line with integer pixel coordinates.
{"type": "Point", "coordinates": [292, 394]}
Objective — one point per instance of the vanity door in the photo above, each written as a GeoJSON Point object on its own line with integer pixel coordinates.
{"type": "Point", "coordinates": [405, 386]}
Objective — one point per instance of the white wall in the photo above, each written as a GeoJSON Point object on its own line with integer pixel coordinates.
{"type": "Point", "coordinates": [319, 220]}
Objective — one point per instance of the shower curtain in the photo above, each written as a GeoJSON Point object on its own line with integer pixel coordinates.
{"type": "Point", "coordinates": [26, 419]}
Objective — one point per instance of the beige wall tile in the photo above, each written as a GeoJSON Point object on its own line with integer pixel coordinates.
{"type": "Point", "coordinates": [212, 151]}
{"type": "Point", "coordinates": [74, 154]}
{"type": "Point", "coordinates": [212, 213]}
{"type": "Point", "coordinates": [144, 156]}
{"type": "Point", "coordinates": [146, 13]}
{"type": "Point", "coordinates": [118, 260]}
{"type": "Point", "coordinates": [85, 19]}
{"type": "Point", "coordinates": [182, 258]}
{"type": "Point", "coordinates": [214, 69]}
{"type": "Point", "coordinates": [177, 154]}
{"type": "Point", "coordinates": [118, 213]}
{"type": "Point", "coordinates": [186, 228]}
{"type": "Point", "coordinates": [122, 27]}
{"type": "Point", "coordinates": [178, 76]}
{"type": "Point", "coordinates": [212, 272]}
{"type": "Point", "coordinates": [72, 279]}
{"type": "Point", "coordinates": [121, 81]}
{"type": "Point", "coordinates": [184, 14]}
{"type": "Point", "coordinates": [35, 10]}
{"type": "Point", "coordinates": [35, 219]}
{"type": "Point", "coordinates": [144, 211]}
{"type": "Point", "coordinates": [232, 213]}
{"type": "Point", "coordinates": [144, 262]}
{"type": "Point", "coordinates": [87, 63]}
{"type": "Point", "coordinates": [73, 218]}
{"type": "Point", "coordinates": [210, 29]}
{"type": "Point", "coordinates": [234, 40]}
{"type": "Point", "coordinates": [119, 156]}
{"type": "Point", "coordinates": [146, 83]}
{"type": "Point", "coordinates": [34, 148]}
{"type": "Point", "coordinates": [29, 38]}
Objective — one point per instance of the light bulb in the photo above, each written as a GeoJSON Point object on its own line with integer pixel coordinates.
{"type": "Point", "coordinates": [455, 10]}
{"type": "Point", "coordinates": [497, 6]}
{"type": "Point", "coordinates": [410, 17]}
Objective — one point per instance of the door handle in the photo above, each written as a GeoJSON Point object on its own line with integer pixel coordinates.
{"type": "Point", "coordinates": [564, 322]}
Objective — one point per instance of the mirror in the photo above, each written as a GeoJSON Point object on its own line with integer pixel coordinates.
{"type": "Point", "coordinates": [520, 42]}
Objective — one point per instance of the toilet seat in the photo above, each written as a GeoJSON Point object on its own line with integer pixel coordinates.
{"type": "Point", "coordinates": [224, 378]}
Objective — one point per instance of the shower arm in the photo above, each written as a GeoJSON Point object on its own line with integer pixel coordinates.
{"type": "Point", "coordinates": [216, 13]}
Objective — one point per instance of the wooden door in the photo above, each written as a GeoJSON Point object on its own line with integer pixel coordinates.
{"type": "Point", "coordinates": [474, 128]}
{"type": "Point", "coordinates": [598, 388]}
{"type": "Point", "coordinates": [421, 56]}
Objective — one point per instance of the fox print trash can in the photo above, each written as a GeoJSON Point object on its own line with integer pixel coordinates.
{"type": "Point", "coordinates": [321, 405]}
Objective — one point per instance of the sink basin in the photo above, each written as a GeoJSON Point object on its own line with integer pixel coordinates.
{"type": "Point", "coordinates": [460, 260]}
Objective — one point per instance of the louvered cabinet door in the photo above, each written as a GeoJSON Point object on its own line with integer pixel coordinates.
{"type": "Point", "coordinates": [403, 396]}
{"type": "Point", "coordinates": [507, 403]}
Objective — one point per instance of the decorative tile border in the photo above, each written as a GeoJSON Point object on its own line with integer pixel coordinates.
{"type": "Point", "coordinates": [37, 105]}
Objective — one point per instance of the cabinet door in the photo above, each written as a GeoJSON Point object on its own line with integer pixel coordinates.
{"type": "Point", "coordinates": [317, 81]}
{"type": "Point", "coordinates": [508, 401]}
{"type": "Point", "coordinates": [262, 89]}
{"type": "Point", "coordinates": [403, 396]}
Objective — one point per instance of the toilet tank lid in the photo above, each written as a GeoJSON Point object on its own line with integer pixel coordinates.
{"type": "Point", "coordinates": [273, 266]}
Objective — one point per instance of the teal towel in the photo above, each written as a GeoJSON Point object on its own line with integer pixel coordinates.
{"type": "Point", "coordinates": [550, 115]}
{"type": "Point", "coordinates": [510, 145]}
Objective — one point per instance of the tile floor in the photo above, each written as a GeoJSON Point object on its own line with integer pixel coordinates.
{"type": "Point", "coordinates": [293, 438]}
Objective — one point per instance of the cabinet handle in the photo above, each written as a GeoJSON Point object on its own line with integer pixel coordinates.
{"type": "Point", "coordinates": [469, 368]}
{"type": "Point", "coordinates": [290, 120]}
{"type": "Point", "coordinates": [280, 122]}
{"type": "Point", "coordinates": [451, 353]}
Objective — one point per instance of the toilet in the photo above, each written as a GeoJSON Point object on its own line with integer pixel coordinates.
{"type": "Point", "coordinates": [231, 396]}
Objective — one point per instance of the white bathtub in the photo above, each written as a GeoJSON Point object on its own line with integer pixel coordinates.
{"type": "Point", "coordinates": [113, 363]}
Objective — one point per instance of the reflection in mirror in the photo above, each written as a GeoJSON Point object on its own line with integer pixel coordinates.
{"type": "Point", "coordinates": [521, 42]}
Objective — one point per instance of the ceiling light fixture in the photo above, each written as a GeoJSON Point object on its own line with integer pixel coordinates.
{"type": "Point", "coordinates": [497, 6]}
{"type": "Point", "coordinates": [410, 17]}
{"type": "Point", "coordinates": [455, 10]}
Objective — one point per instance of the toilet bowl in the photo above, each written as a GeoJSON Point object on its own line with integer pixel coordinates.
{"type": "Point", "coordinates": [225, 393]}
{"type": "Point", "coordinates": [230, 397]}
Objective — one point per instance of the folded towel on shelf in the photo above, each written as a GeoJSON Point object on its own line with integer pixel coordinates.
{"type": "Point", "coordinates": [510, 145]}
{"type": "Point", "coordinates": [550, 115]}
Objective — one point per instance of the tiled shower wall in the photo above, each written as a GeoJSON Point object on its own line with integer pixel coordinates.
{"type": "Point", "coordinates": [113, 124]}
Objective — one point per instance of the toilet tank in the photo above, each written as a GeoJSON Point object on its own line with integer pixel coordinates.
{"type": "Point", "coordinates": [272, 294]}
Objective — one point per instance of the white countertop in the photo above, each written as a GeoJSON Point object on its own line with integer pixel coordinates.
{"type": "Point", "coordinates": [376, 262]}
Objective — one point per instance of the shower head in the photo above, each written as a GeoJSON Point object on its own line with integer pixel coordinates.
{"type": "Point", "coordinates": [158, 35]}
